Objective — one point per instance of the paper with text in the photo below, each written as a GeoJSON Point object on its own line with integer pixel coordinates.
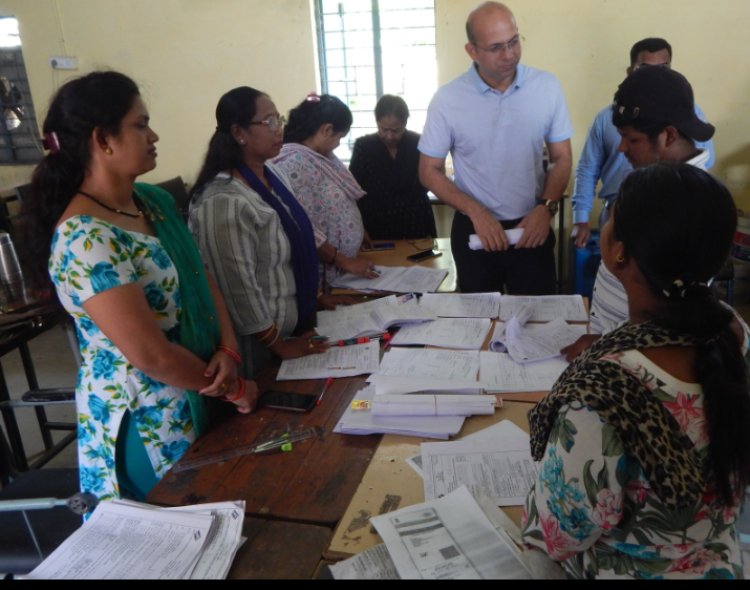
{"type": "Point", "coordinates": [545, 308]}
{"type": "Point", "coordinates": [337, 361]}
{"type": "Point", "coordinates": [395, 279]}
{"type": "Point", "coordinates": [450, 538]}
{"type": "Point", "coordinates": [499, 468]}
{"type": "Point", "coordinates": [456, 333]}
{"type": "Point", "coordinates": [498, 373]}
{"type": "Point", "coordinates": [462, 305]}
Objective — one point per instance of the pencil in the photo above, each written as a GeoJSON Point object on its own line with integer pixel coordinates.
{"type": "Point", "coordinates": [325, 388]}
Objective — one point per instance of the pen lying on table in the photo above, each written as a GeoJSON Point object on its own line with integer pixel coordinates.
{"type": "Point", "coordinates": [325, 388]}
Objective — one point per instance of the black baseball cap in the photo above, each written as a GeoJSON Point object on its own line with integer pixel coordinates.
{"type": "Point", "coordinates": [656, 94]}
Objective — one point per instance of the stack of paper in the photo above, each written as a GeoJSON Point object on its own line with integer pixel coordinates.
{"type": "Point", "coordinates": [371, 318]}
{"type": "Point", "coordinates": [127, 540]}
{"type": "Point", "coordinates": [395, 279]}
{"type": "Point", "coordinates": [359, 419]}
{"type": "Point", "coordinates": [430, 404]}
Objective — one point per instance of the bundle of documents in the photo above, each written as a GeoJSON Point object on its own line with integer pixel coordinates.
{"type": "Point", "coordinates": [128, 540]}
{"type": "Point", "coordinates": [359, 419]}
{"type": "Point", "coordinates": [431, 404]}
{"type": "Point", "coordinates": [371, 318]}
{"type": "Point", "coordinates": [428, 369]}
{"type": "Point", "coordinates": [456, 333]}
{"type": "Point", "coordinates": [395, 279]}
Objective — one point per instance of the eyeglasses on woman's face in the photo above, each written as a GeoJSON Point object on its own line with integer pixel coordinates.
{"type": "Point", "coordinates": [274, 122]}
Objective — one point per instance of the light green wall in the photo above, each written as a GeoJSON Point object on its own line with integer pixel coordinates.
{"type": "Point", "coordinates": [186, 53]}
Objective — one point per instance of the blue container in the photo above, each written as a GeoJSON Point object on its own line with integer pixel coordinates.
{"type": "Point", "coordinates": [584, 264]}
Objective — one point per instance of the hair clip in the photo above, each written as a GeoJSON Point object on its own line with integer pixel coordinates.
{"type": "Point", "coordinates": [51, 143]}
{"type": "Point", "coordinates": [313, 97]}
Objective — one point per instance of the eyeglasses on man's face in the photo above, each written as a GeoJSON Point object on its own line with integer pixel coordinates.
{"type": "Point", "coordinates": [274, 122]}
{"type": "Point", "coordinates": [644, 64]}
{"type": "Point", "coordinates": [498, 48]}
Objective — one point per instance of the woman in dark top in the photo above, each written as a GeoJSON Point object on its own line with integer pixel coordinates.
{"type": "Point", "coordinates": [386, 166]}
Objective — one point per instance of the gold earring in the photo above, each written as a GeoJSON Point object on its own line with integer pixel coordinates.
{"type": "Point", "coordinates": [108, 151]}
{"type": "Point", "coordinates": [620, 258]}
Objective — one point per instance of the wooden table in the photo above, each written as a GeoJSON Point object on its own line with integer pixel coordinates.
{"type": "Point", "coordinates": [404, 248]}
{"type": "Point", "coordinates": [312, 484]}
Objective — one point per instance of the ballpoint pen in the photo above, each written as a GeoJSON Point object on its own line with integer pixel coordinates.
{"type": "Point", "coordinates": [325, 388]}
{"type": "Point", "coordinates": [350, 341]}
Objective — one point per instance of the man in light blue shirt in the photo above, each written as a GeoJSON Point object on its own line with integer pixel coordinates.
{"type": "Point", "coordinates": [601, 159]}
{"type": "Point", "coordinates": [495, 120]}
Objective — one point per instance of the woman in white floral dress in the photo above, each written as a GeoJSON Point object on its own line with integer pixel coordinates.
{"type": "Point", "coordinates": [154, 334]}
{"type": "Point", "coordinates": [644, 441]}
{"type": "Point", "coordinates": [322, 184]}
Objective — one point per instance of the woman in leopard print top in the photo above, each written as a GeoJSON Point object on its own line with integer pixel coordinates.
{"type": "Point", "coordinates": [644, 440]}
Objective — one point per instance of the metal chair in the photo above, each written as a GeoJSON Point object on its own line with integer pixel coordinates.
{"type": "Point", "coordinates": [39, 510]}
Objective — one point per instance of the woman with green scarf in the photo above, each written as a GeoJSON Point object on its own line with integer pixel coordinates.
{"type": "Point", "coordinates": [154, 333]}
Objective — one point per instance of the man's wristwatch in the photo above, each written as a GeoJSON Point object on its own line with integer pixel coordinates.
{"type": "Point", "coordinates": [550, 205]}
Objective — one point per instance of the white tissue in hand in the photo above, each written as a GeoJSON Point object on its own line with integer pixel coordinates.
{"type": "Point", "coordinates": [513, 236]}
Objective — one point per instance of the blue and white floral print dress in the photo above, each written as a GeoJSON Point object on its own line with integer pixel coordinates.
{"type": "Point", "coordinates": [89, 256]}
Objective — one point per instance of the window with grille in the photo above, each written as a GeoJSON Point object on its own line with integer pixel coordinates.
{"type": "Point", "coordinates": [367, 48]}
{"type": "Point", "coordinates": [19, 143]}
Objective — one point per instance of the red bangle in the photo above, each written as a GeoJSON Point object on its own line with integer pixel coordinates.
{"type": "Point", "coordinates": [235, 356]}
{"type": "Point", "coordinates": [240, 393]}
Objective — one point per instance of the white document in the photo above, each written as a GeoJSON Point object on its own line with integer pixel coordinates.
{"type": "Point", "coordinates": [429, 404]}
{"type": "Point", "coordinates": [120, 541]}
{"type": "Point", "coordinates": [374, 563]}
{"type": "Point", "coordinates": [535, 342]}
{"type": "Point", "coordinates": [337, 361]}
{"type": "Point", "coordinates": [498, 373]}
{"type": "Point", "coordinates": [514, 234]}
{"type": "Point", "coordinates": [545, 307]}
{"type": "Point", "coordinates": [501, 430]}
{"type": "Point", "coordinates": [371, 318]}
{"type": "Point", "coordinates": [456, 333]}
{"type": "Point", "coordinates": [448, 538]}
{"type": "Point", "coordinates": [462, 305]}
{"type": "Point", "coordinates": [430, 363]}
{"type": "Point", "coordinates": [499, 468]}
{"type": "Point", "coordinates": [396, 279]}
{"type": "Point", "coordinates": [364, 422]}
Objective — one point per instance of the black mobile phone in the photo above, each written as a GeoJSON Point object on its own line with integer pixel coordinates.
{"type": "Point", "coordinates": [379, 246]}
{"type": "Point", "coordinates": [424, 255]}
{"type": "Point", "coordinates": [284, 400]}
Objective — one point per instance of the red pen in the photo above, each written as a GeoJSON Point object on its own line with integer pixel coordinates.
{"type": "Point", "coordinates": [325, 388]}
{"type": "Point", "coordinates": [349, 341]}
